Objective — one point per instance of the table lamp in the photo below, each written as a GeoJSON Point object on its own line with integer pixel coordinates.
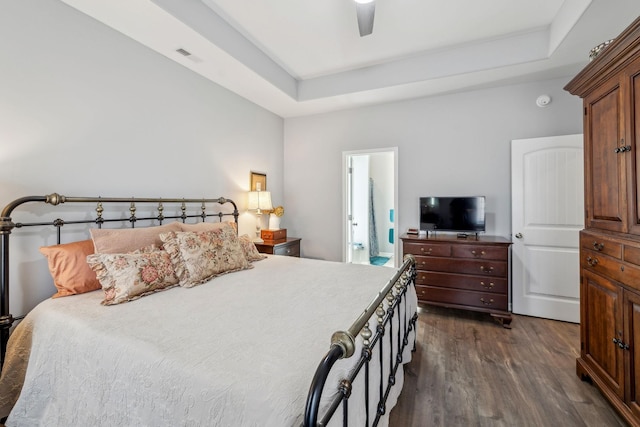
{"type": "Point", "coordinates": [259, 201]}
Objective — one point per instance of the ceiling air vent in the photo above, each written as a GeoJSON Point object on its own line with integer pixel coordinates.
{"type": "Point", "coordinates": [181, 51]}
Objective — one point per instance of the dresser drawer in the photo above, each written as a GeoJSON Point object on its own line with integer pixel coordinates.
{"type": "Point", "coordinates": [463, 281]}
{"type": "Point", "coordinates": [600, 244]}
{"type": "Point", "coordinates": [480, 252]}
{"type": "Point", "coordinates": [431, 249]}
{"type": "Point", "coordinates": [288, 247]}
{"type": "Point", "coordinates": [288, 250]}
{"type": "Point", "coordinates": [447, 296]}
{"type": "Point", "coordinates": [466, 266]}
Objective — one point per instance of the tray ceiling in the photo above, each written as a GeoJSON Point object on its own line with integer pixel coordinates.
{"type": "Point", "coordinates": [300, 57]}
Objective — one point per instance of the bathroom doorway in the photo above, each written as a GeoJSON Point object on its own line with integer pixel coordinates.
{"type": "Point", "coordinates": [370, 201]}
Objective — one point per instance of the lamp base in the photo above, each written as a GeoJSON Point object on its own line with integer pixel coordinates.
{"type": "Point", "coordinates": [257, 240]}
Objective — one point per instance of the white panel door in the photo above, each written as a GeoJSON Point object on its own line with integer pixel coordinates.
{"type": "Point", "coordinates": [547, 196]}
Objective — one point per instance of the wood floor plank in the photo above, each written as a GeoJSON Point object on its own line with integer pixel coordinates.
{"type": "Point", "coordinates": [468, 370]}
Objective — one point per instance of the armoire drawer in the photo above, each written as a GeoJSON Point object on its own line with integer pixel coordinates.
{"type": "Point", "coordinates": [631, 254]}
{"type": "Point", "coordinates": [619, 271]}
{"type": "Point", "coordinates": [601, 244]}
{"type": "Point", "coordinates": [463, 281]}
{"type": "Point", "coordinates": [484, 300]}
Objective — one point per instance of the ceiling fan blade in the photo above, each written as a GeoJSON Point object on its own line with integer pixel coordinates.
{"type": "Point", "coordinates": [365, 12]}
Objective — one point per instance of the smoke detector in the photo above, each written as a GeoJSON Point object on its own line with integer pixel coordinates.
{"type": "Point", "coordinates": [543, 101]}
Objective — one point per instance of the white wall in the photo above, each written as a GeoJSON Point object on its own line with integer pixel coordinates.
{"type": "Point", "coordinates": [86, 111]}
{"type": "Point", "coordinates": [456, 144]}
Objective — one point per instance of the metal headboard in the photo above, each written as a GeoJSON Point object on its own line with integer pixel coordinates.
{"type": "Point", "coordinates": [7, 226]}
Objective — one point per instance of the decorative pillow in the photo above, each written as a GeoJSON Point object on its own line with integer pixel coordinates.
{"type": "Point", "coordinates": [249, 248]}
{"type": "Point", "coordinates": [69, 269]}
{"type": "Point", "coordinates": [125, 240]}
{"type": "Point", "coordinates": [206, 226]}
{"type": "Point", "coordinates": [126, 277]}
{"type": "Point", "coordinates": [200, 256]}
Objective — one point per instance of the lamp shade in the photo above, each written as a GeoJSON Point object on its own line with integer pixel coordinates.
{"type": "Point", "coordinates": [259, 201]}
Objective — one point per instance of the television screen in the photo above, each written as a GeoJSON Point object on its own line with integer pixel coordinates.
{"type": "Point", "coordinates": [452, 214]}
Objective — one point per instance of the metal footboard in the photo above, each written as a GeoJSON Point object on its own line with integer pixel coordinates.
{"type": "Point", "coordinates": [343, 345]}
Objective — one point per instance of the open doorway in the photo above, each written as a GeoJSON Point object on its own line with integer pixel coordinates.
{"type": "Point", "coordinates": [370, 201]}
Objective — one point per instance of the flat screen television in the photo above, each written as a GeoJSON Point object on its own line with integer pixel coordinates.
{"type": "Point", "coordinates": [459, 214]}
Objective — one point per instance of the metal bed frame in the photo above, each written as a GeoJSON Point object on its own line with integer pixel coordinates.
{"type": "Point", "coordinates": [343, 346]}
{"type": "Point", "coordinates": [343, 343]}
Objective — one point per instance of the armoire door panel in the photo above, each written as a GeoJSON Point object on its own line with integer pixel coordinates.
{"type": "Point", "coordinates": [632, 135]}
{"type": "Point", "coordinates": [602, 320]}
{"type": "Point", "coordinates": [632, 351]}
{"type": "Point", "coordinates": [604, 163]}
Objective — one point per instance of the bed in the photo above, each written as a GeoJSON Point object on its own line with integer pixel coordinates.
{"type": "Point", "coordinates": [252, 346]}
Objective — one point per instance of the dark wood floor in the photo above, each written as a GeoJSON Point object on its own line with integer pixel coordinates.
{"type": "Point", "coordinates": [469, 371]}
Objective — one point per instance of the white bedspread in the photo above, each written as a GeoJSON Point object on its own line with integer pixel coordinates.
{"type": "Point", "coordinates": [240, 350]}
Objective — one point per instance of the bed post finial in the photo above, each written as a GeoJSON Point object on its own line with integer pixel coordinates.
{"type": "Point", "coordinates": [345, 341]}
{"type": "Point", "coordinates": [99, 211]}
{"type": "Point", "coordinates": [160, 212]}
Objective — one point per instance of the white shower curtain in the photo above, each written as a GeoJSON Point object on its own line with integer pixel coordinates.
{"type": "Point", "coordinates": [374, 249]}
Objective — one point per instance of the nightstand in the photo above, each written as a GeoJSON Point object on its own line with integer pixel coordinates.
{"type": "Point", "coordinates": [289, 247]}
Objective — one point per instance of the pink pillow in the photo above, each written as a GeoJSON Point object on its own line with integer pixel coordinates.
{"type": "Point", "coordinates": [69, 269]}
{"type": "Point", "coordinates": [123, 240]}
{"type": "Point", "coordinates": [206, 226]}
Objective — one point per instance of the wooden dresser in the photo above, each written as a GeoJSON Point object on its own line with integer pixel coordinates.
{"type": "Point", "coordinates": [471, 273]}
{"type": "Point", "coordinates": [610, 244]}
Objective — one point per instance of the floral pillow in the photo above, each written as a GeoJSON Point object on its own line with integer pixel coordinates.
{"type": "Point", "coordinates": [249, 248]}
{"type": "Point", "coordinates": [126, 277]}
{"type": "Point", "coordinates": [198, 256]}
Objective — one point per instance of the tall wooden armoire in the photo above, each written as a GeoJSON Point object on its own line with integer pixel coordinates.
{"type": "Point", "coordinates": [610, 242]}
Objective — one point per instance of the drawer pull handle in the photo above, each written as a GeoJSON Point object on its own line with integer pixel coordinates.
{"type": "Point", "coordinates": [474, 253]}
{"type": "Point", "coordinates": [482, 300]}
{"type": "Point", "coordinates": [592, 261]}
{"type": "Point", "coordinates": [598, 246]}
{"type": "Point", "coordinates": [621, 344]}
{"type": "Point", "coordinates": [485, 269]}
{"type": "Point", "coordinates": [428, 250]}
{"type": "Point", "coordinates": [489, 286]}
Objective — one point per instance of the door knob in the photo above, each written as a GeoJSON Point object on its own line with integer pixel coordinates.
{"type": "Point", "coordinates": [518, 235]}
